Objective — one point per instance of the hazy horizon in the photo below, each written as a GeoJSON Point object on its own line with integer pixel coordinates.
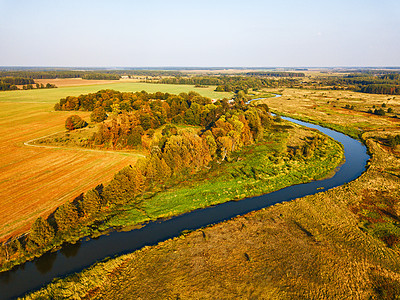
{"type": "Point", "coordinates": [222, 34]}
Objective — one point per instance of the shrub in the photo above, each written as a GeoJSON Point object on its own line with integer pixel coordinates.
{"type": "Point", "coordinates": [75, 122]}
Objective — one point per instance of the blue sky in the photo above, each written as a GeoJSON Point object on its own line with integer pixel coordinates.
{"type": "Point", "coordinates": [284, 33]}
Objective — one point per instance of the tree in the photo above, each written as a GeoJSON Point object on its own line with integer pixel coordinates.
{"type": "Point", "coordinates": [124, 187]}
{"type": "Point", "coordinates": [92, 202]}
{"type": "Point", "coordinates": [66, 216]}
{"type": "Point", "coordinates": [74, 122]}
{"type": "Point", "coordinates": [41, 232]}
{"type": "Point", "coordinates": [98, 115]}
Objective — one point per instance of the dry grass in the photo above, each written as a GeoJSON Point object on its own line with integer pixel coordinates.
{"type": "Point", "coordinates": [328, 106]}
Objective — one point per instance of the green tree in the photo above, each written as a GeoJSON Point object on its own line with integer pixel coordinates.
{"type": "Point", "coordinates": [92, 202]}
{"type": "Point", "coordinates": [41, 232]}
{"type": "Point", "coordinates": [66, 216]}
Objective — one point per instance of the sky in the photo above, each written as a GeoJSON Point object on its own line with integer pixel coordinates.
{"type": "Point", "coordinates": [165, 33]}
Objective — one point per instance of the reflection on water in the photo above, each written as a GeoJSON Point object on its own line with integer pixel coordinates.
{"type": "Point", "coordinates": [45, 263]}
{"type": "Point", "coordinates": [70, 250]}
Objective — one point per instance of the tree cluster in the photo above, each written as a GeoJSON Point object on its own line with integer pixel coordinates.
{"type": "Point", "coordinates": [368, 82]}
{"type": "Point", "coordinates": [10, 83]}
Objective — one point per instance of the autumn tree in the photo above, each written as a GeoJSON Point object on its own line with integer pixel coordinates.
{"type": "Point", "coordinates": [91, 202]}
{"type": "Point", "coordinates": [98, 115]}
{"type": "Point", "coordinates": [124, 187]}
{"type": "Point", "coordinates": [75, 122]}
{"type": "Point", "coordinates": [66, 216]}
{"type": "Point", "coordinates": [41, 232]}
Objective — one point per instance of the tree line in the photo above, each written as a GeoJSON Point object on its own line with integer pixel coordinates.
{"type": "Point", "coordinates": [230, 83]}
{"type": "Point", "coordinates": [10, 83]}
{"type": "Point", "coordinates": [29, 74]}
{"type": "Point", "coordinates": [372, 83]}
{"type": "Point", "coordinates": [276, 74]}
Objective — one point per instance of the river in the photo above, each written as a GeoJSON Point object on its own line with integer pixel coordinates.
{"type": "Point", "coordinates": [73, 258]}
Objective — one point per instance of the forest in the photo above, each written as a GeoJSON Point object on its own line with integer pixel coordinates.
{"type": "Point", "coordinates": [371, 83]}
{"type": "Point", "coordinates": [276, 74]}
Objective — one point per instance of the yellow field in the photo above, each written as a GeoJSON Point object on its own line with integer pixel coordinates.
{"type": "Point", "coordinates": [35, 180]}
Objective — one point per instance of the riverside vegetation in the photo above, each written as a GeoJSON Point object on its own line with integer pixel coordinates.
{"type": "Point", "coordinates": [341, 243]}
{"type": "Point", "coordinates": [198, 154]}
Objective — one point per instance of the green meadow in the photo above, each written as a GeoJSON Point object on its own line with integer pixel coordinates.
{"type": "Point", "coordinates": [54, 95]}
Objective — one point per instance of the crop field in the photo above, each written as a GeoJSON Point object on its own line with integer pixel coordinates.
{"type": "Point", "coordinates": [35, 180]}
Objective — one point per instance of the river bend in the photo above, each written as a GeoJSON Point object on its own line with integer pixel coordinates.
{"type": "Point", "coordinates": [74, 258]}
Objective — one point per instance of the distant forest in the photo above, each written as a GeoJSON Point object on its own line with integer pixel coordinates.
{"type": "Point", "coordinates": [60, 74]}
{"type": "Point", "coordinates": [10, 83]}
{"type": "Point", "coordinates": [231, 83]}
{"type": "Point", "coordinates": [367, 82]}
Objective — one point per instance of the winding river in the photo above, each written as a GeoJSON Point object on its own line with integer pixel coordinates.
{"type": "Point", "coordinates": [73, 258]}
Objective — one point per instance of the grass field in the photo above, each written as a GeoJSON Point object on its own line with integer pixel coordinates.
{"type": "Point", "coordinates": [54, 95]}
{"type": "Point", "coordinates": [34, 180]}
{"type": "Point", "coordinates": [332, 245]}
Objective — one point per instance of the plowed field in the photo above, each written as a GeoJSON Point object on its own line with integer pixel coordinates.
{"type": "Point", "coordinates": [35, 180]}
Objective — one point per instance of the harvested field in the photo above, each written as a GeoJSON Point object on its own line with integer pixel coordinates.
{"type": "Point", "coordinates": [54, 95]}
{"type": "Point", "coordinates": [35, 180]}
{"type": "Point", "coordinates": [61, 82]}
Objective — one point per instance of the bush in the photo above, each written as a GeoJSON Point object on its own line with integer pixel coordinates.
{"type": "Point", "coordinates": [75, 122]}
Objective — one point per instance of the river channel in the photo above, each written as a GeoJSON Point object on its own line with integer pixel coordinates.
{"type": "Point", "coordinates": [73, 258]}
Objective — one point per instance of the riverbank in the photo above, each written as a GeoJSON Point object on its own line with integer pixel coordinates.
{"type": "Point", "coordinates": [311, 248]}
{"type": "Point", "coordinates": [312, 167]}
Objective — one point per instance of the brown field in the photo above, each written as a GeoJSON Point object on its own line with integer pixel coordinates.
{"type": "Point", "coordinates": [59, 82]}
{"type": "Point", "coordinates": [316, 247]}
{"type": "Point", "coordinates": [35, 180]}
